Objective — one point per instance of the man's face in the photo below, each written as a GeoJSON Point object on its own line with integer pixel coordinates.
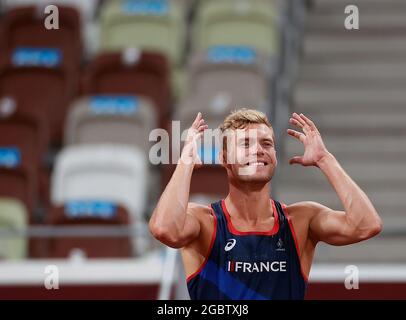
{"type": "Point", "coordinates": [251, 154]}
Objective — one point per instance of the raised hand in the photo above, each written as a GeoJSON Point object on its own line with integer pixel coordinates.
{"type": "Point", "coordinates": [189, 153]}
{"type": "Point", "coordinates": [315, 150]}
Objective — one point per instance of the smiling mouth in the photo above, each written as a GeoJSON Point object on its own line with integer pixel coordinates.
{"type": "Point", "coordinates": [257, 164]}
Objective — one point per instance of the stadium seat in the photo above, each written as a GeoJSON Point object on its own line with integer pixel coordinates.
{"type": "Point", "coordinates": [211, 181]}
{"type": "Point", "coordinates": [131, 73]}
{"type": "Point", "coordinates": [13, 215]}
{"type": "Point", "coordinates": [224, 78]}
{"type": "Point", "coordinates": [251, 23]}
{"type": "Point", "coordinates": [86, 8]}
{"type": "Point", "coordinates": [24, 27]}
{"type": "Point", "coordinates": [90, 214]}
{"type": "Point", "coordinates": [115, 119]}
{"type": "Point", "coordinates": [153, 25]}
{"type": "Point", "coordinates": [39, 81]}
{"type": "Point", "coordinates": [27, 132]}
{"type": "Point", "coordinates": [17, 182]}
{"type": "Point", "coordinates": [208, 182]}
{"type": "Point", "coordinates": [102, 172]}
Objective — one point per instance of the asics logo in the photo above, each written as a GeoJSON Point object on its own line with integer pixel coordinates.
{"type": "Point", "coordinates": [230, 244]}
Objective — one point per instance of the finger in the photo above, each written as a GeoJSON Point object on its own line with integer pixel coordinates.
{"type": "Point", "coordinates": [309, 122]}
{"type": "Point", "coordinates": [197, 119]}
{"type": "Point", "coordinates": [301, 123]}
{"type": "Point", "coordinates": [296, 123]}
{"type": "Point", "coordinates": [202, 128]}
{"type": "Point", "coordinates": [299, 119]}
{"type": "Point", "coordinates": [298, 135]}
{"type": "Point", "coordinates": [296, 160]}
{"type": "Point", "coordinates": [200, 123]}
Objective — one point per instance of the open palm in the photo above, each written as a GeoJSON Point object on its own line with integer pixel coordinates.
{"type": "Point", "coordinates": [314, 148]}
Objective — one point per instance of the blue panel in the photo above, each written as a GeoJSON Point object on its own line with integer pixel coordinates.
{"type": "Point", "coordinates": [123, 105]}
{"type": "Point", "coordinates": [37, 57]}
{"type": "Point", "coordinates": [10, 157]}
{"type": "Point", "coordinates": [146, 7]}
{"type": "Point", "coordinates": [231, 54]}
{"type": "Point", "coordinates": [90, 209]}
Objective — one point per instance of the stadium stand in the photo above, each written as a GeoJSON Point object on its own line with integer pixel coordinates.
{"type": "Point", "coordinates": [41, 84]}
{"type": "Point", "coordinates": [156, 26]}
{"type": "Point", "coordinates": [26, 132]}
{"type": "Point", "coordinates": [23, 27]}
{"type": "Point", "coordinates": [250, 23]}
{"type": "Point", "coordinates": [87, 8]}
{"type": "Point", "coordinates": [115, 173]}
{"type": "Point", "coordinates": [224, 77]}
{"type": "Point", "coordinates": [131, 72]}
{"type": "Point", "coordinates": [90, 214]}
{"type": "Point", "coordinates": [112, 119]}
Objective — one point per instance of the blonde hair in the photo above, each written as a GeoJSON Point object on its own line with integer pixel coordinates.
{"type": "Point", "coordinates": [239, 119]}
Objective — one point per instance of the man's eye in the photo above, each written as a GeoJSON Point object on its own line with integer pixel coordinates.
{"type": "Point", "coordinates": [245, 144]}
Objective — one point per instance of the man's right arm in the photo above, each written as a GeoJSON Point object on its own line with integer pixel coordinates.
{"type": "Point", "coordinates": [173, 221]}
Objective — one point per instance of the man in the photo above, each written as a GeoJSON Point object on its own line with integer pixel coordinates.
{"type": "Point", "coordinates": [248, 246]}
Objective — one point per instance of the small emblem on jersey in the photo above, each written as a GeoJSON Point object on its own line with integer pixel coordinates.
{"type": "Point", "coordinates": [230, 244]}
{"type": "Point", "coordinates": [279, 245]}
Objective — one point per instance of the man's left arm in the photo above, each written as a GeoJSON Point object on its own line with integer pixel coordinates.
{"type": "Point", "coordinates": [359, 220]}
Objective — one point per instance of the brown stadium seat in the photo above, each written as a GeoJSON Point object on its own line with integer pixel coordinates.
{"type": "Point", "coordinates": [24, 27]}
{"type": "Point", "coordinates": [86, 214]}
{"type": "Point", "coordinates": [209, 181]}
{"type": "Point", "coordinates": [40, 82]}
{"type": "Point", "coordinates": [27, 132]}
{"type": "Point", "coordinates": [132, 72]}
{"type": "Point", "coordinates": [30, 134]}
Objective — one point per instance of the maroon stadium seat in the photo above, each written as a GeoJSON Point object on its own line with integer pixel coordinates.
{"type": "Point", "coordinates": [147, 75]}
{"type": "Point", "coordinates": [24, 27]}
{"type": "Point", "coordinates": [27, 132]}
{"type": "Point", "coordinates": [94, 247]}
{"type": "Point", "coordinates": [42, 90]}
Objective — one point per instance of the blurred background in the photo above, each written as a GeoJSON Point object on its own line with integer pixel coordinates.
{"type": "Point", "coordinates": [78, 104]}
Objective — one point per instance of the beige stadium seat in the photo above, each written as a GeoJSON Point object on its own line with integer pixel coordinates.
{"type": "Point", "coordinates": [115, 119]}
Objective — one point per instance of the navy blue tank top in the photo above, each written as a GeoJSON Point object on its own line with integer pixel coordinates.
{"type": "Point", "coordinates": [250, 265]}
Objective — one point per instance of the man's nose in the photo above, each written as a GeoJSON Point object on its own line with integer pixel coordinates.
{"type": "Point", "coordinates": [258, 149]}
